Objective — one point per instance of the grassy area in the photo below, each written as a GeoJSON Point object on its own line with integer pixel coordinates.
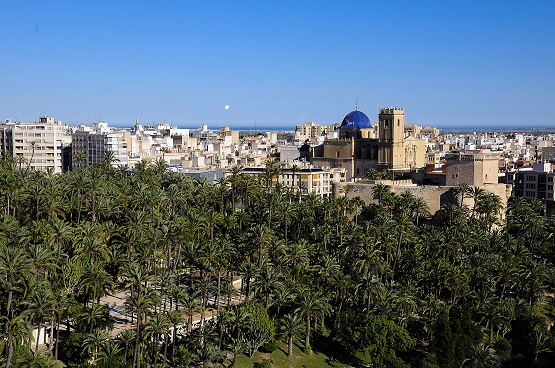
{"type": "Point", "coordinates": [299, 359]}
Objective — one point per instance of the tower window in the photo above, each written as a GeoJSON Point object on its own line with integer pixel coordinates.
{"type": "Point", "coordinates": [398, 122]}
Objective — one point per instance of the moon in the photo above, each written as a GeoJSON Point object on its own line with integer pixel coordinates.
{"type": "Point", "coordinates": [226, 107]}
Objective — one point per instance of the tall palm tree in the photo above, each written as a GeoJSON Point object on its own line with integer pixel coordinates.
{"type": "Point", "coordinates": [39, 306]}
{"type": "Point", "coordinates": [16, 331]}
{"type": "Point", "coordinates": [290, 326]}
{"type": "Point", "coordinates": [14, 266]}
{"type": "Point", "coordinates": [35, 359]}
{"type": "Point", "coordinates": [190, 307]}
{"type": "Point", "coordinates": [157, 327]}
{"type": "Point", "coordinates": [96, 279]}
{"type": "Point", "coordinates": [310, 305]}
{"type": "Point", "coordinates": [140, 303]}
{"type": "Point", "coordinates": [380, 190]}
{"type": "Point", "coordinates": [94, 342]}
{"type": "Point", "coordinates": [267, 281]}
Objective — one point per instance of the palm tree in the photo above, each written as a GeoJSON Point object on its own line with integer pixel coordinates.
{"type": "Point", "coordinates": [93, 315]}
{"type": "Point", "coordinates": [175, 318]}
{"type": "Point", "coordinates": [294, 170]}
{"type": "Point", "coordinates": [126, 338]}
{"type": "Point", "coordinates": [310, 305]}
{"type": "Point", "coordinates": [39, 308]}
{"type": "Point", "coordinates": [140, 304]}
{"type": "Point", "coordinates": [61, 233]}
{"type": "Point", "coordinates": [190, 306]}
{"type": "Point", "coordinates": [80, 158]}
{"type": "Point", "coordinates": [260, 236]}
{"type": "Point", "coordinates": [462, 190]}
{"type": "Point", "coordinates": [16, 331]}
{"type": "Point", "coordinates": [233, 179]}
{"type": "Point", "coordinates": [236, 346]}
{"type": "Point", "coordinates": [290, 326]}
{"type": "Point", "coordinates": [539, 342]}
{"type": "Point", "coordinates": [110, 355]}
{"type": "Point", "coordinates": [267, 280]}
{"type": "Point", "coordinates": [96, 279]}
{"type": "Point", "coordinates": [14, 265]}
{"type": "Point", "coordinates": [380, 190]}
{"type": "Point", "coordinates": [419, 209]}
{"type": "Point", "coordinates": [157, 326]}
{"type": "Point", "coordinates": [35, 359]}
{"type": "Point", "coordinates": [94, 342]}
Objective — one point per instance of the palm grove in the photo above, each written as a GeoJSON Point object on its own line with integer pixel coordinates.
{"type": "Point", "coordinates": [388, 284]}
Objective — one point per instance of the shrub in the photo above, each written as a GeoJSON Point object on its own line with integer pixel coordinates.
{"type": "Point", "coordinates": [264, 363]}
{"type": "Point", "coordinates": [269, 347]}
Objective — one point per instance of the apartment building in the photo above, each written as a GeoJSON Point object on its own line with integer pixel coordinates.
{"type": "Point", "coordinates": [38, 145]}
{"type": "Point", "coordinates": [532, 183]}
{"type": "Point", "coordinates": [89, 145]}
{"type": "Point", "coordinates": [311, 180]}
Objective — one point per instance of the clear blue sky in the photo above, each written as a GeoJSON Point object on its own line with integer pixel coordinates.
{"type": "Point", "coordinates": [278, 63]}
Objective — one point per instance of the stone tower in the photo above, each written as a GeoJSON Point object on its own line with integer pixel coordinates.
{"type": "Point", "coordinates": [391, 136]}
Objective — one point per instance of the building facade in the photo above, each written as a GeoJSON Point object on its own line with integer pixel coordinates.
{"type": "Point", "coordinates": [38, 145]}
{"type": "Point", "coordinates": [89, 146]}
{"type": "Point", "coordinates": [361, 146]}
{"type": "Point", "coordinates": [471, 168]}
{"type": "Point", "coordinates": [532, 183]}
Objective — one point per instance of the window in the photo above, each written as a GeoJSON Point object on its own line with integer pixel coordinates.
{"type": "Point", "coordinates": [550, 187]}
{"type": "Point", "coordinates": [530, 186]}
{"type": "Point", "coordinates": [550, 179]}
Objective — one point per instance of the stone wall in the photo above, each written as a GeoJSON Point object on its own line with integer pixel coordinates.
{"type": "Point", "coordinates": [435, 196]}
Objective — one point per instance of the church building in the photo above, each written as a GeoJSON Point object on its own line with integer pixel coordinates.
{"type": "Point", "coordinates": [361, 146]}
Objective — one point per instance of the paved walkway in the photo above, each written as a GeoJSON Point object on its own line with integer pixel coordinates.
{"type": "Point", "coordinates": [123, 321]}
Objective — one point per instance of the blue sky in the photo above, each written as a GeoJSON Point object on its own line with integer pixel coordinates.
{"type": "Point", "coordinates": [278, 63]}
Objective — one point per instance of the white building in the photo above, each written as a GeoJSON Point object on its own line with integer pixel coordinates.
{"type": "Point", "coordinates": [38, 145]}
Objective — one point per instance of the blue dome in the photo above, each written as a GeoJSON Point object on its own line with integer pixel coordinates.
{"type": "Point", "coordinates": [356, 120]}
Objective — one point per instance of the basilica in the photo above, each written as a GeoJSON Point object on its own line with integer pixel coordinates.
{"type": "Point", "coordinates": [361, 146]}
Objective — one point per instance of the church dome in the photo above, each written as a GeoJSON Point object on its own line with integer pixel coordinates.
{"type": "Point", "coordinates": [356, 120]}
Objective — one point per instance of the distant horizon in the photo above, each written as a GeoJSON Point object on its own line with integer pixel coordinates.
{"type": "Point", "coordinates": [286, 127]}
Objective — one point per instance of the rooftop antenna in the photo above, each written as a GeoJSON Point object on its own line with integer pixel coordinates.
{"type": "Point", "coordinates": [356, 104]}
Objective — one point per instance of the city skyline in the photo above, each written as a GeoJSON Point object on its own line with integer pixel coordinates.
{"type": "Point", "coordinates": [278, 64]}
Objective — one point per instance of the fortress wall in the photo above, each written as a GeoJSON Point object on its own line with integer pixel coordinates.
{"type": "Point", "coordinates": [435, 196]}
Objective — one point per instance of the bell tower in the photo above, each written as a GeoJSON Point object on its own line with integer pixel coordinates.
{"type": "Point", "coordinates": [391, 136]}
{"type": "Point", "coordinates": [391, 125]}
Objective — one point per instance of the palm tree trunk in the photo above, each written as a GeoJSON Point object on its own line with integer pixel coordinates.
{"type": "Point", "coordinates": [136, 357]}
{"type": "Point", "coordinates": [51, 340]}
{"type": "Point", "coordinates": [290, 346]}
{"type": "Point", "coordinates": [219, 291]}
{"type": "Point", "coordinates": [155, 349]}
{"type": "Point", "coordinates": [307, 338]}
{"type": "Point", "coordinates": [58, 321]}
{"type": "Point", "coordinates": [10, 353]}
{"type": "Point", "coordinates": [38, 336]}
